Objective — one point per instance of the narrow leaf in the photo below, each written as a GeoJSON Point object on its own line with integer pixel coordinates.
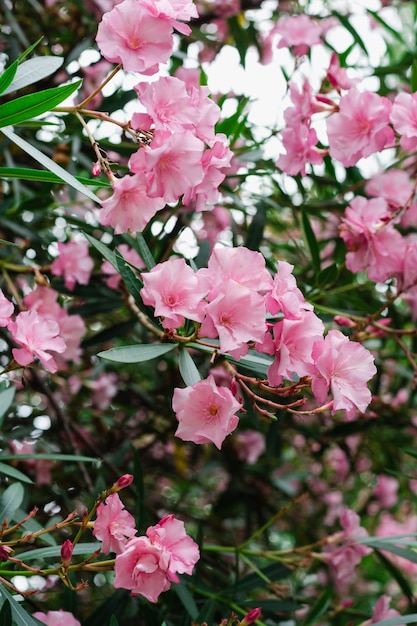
{"type": "Point", "coordinates": [136, 354]}
{"type": "Point", "coordinates": [11, 500]}
{"type": "Point", "coordinates": [7, 77]}
{"type": "Point", "coordinates": [34, 104]}
{"type": "Point", "coordinates": [144, 252]}
{"type": "Point", "coordinates": [395, 621]}
{"type": "Point", "coordinates": [6, 400]}
{"type": "Point", "coordinates": [113, 621]}
{"type": "Point", "coordinates": [33, 70]}
{"type": "Point", "coordinates": [311, 242]}
{"type": "Point", "coordinates": [48, 164]}
{"type": "Point", "coordinates": [20, 616]}
{"type": "Point", "coordinates": [187, 599]}
{"type": "Point", "coordinates": [188, 368]}
{"type": "Point", "coordinates": [6, 614]}
{"type": "Point", "coordinates": [26, 173]}
{"type": "Point", "coordinates": [75, 458]}
{"type": "Point", "coordinates": [131, 280]}
{"type": "Point", "coordinates": [55, 552]}
{"type": "Point", "coordinates": [103, 249]}
{"type": "Point", "coordinates": [414, 76]}
{"type": "Point", "coordinates": [32, 526]}
{"type": "Point", "coordinates": [8, 470]}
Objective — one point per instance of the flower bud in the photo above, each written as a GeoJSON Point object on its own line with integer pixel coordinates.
{"type": "Point", "coordinates": [5, 551]}
{"type": "Point", "coordinates": [123, 482]}
{"type": "Point", "coordinates": [96, 169]}
{"type": "Point", "coordinates": [251, 617]}
{"type": "Point", "coordinates": [66, 552]}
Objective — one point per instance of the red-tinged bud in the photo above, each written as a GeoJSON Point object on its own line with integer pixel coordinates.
{"type": "Point", "coordinates": [123, 482]}
{"type": "Point", "coordinates": [96, 169]}
{"type": "Point", "coordinates": [346, 604]}
{"type": "Point", "coordinates": [5, 552]}
{"type": "Point", "coordinates": [66, 552]}
{"type": "Point", "coordinates": [343, 321]}
{"type": "Point", "coordinates": [251, 617]}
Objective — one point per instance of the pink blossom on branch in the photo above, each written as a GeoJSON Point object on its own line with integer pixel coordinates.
{"type": "Point", "coordinates": [342, 367]}
{"type": "Point", "coordinates": [114, 525]}
{"type": "Point", "coordinates": [130, 35]}
{"type": "Point", "coordinates": [172, 11]}
{"type": "Point", "coordinates": [360, 128]}
{"type": "Point", "coordinates": [6, 309]}
{"type": "Point", "coordinates": [205, 412]}
{"type": "Point", "coordinates": [130, 208]}
{"type": "Point", "coordinates": [38, 337]}
{"type": "Point", "coordinates": [300, 143]}
{"type": "Point", "coordinates": [175, 291]}
{"type": "Point", "coordinates": [73, 263]}
{"type": "Point", "coordinates": [298, 32]}
{"type": "Point", "coordinates": [148, 565]}
{"type": "Point", "coordinates": [382, 611]}
{"type": "Point", "coordinates": [57, 618]}
{"type": "Point", "coordinates": [404, 119]}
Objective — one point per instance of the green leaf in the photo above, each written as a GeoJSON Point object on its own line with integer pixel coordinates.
{"type": "Point", "coordinates": [8, 470]}
{"type": "Point", "coordinates": [414, 76]}
{"type": "Point", "coordinates": [6, 400]}
{"type": "Point", "coordinates": [105, 252]}
{"type": "Point", "coordinates": [145, 252]}
{"type": "Point", "coordinates": [328, 276]}
{"type": "Point", "coordinates": [75, 458]}
{"type": "Point", "coordinates": [115, 606]}
{"type": "Point", "coordinates": [345, 22]}
{"type": "Point", "coordinates": [26, 173]}
{"type": "Point", "coordinates": [11, 500]}
{"type": "Point", "coordinates": [34, 70]}
{"type": "Point", "coordinates": [136, 354]}
{"type": "Point", "coordinates": [188, 368]}
{"type": "Point", "coordinates": [395, 621]}
{"type": "Point", "coordinates": [32, 526]}
{"type": "Point", "coordinates": [311, 240]}
{"type": "Point", "coordinates": [6, 614]}
{"type": "Point", "coordinates": [186, 598]}
{"type": "Point", "coordinates": [7, 77]}
{"type": "Point", "coordinates": [48, 164]}
{"type": "Point", "coordinates": [113, 621]}
{"type": "Point", "coordinates": [319, 608]}
{"type": "Point", "coordinates": [34, 104]}
{"type": "Point", "coordinates": [132, 282]}
{"type": "Point", "coordinates": [55, 552]}
{"type": "Point", "coordinates": [20, 616]}
{"type": "Point", "coordinates": [397, 574]}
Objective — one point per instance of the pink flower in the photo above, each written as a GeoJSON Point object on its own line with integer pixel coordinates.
{"type": "Point", "coordinates": [344, 367]}
{"type": "Point", "coordinates": [57, 618]}
{"type": "Point", "coordinates": [250, 445]}
{"type": "Point", "coordinates": [114, 525]}
{"type": "Point", "coordinates": [298, 32]}
{"type": "Point", "coordinates": [338, 76]}
{"type": "Point", "coordinates": [343, 560]}
{"type": "Point", "coordinates": [404, 119]}
{"type": "Point", "coordinates": [373, 242]}
{"type": "Point", "coordinates": [386, 491]}
{"type": "Point", "coordinates": [360, 128]}
{"type": "Point", "coordinates": [104, 389]}
{"type": "Point", "coordinates": [175, 291]}
{"type": "Point", "coordinates": [6, 309]}
{"type": "Point", "coordinates": [148, 565]}
{"type": "Point", "coordinates": [172, 11]}
{"type": "Point", "coordinates": [300, 146]}
{"type": "Point", "coordinates": [205, 412]}
{"type": "Point", "coordinates": [285, 296]}
{"type": "Point", "coordinates": [130, 35]}
{"type": "Point", "coordinates": [215, 160]}
{"type": "Point", "coordinates": [292, 343]}
{"type": "Point", "coordinates": [169, 534]}
{"type": "Point", "coordinates": [381, 611]}
{"type": "Point", "coordinates": [73, 263]}
{"type": "Point", "coordinates": [236, 316]}
{"type": "Point", "coordinates": [38, 337]}
{"type": "Point", "coordinates": [241, 265]}
{"type": "Point", "coordinates": [130, 208]}
{"type": "Point", "coordinates": [172, 164]}
{"type": "Point", "coordinates": [393, 185]}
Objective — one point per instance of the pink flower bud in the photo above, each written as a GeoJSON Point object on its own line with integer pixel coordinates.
{"type": "Point", "coordinates": [96, 169]}
{"type": "Point", "coordinates": [66, 552]}
{"type": "Point", "coordinates": [5, 551]}
{"type": "Point", "coordinates": [343, 321]}
{"type": "Point", "coordinates": [251, 617]}
{"type": "Point", "coordinates": [124, 481]}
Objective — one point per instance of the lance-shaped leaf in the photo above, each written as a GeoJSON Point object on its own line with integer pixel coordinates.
{"type": "Point", "coordinates": [7, 77]}
{"type": "Point", "coordinates": [34, 104]}
{"type": "Point", "coordinates": [11, 500]}
{"type": "Point", "coordinates": [33, 70]}
{"type": "Point", "coordinates": [136, 354]}
{"type": "Point", "coordinates": [20, 616]}
{"type": "Point", "coordinates": [188, 368]}
{"type": "Point", "coordinates": [48, 164]}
